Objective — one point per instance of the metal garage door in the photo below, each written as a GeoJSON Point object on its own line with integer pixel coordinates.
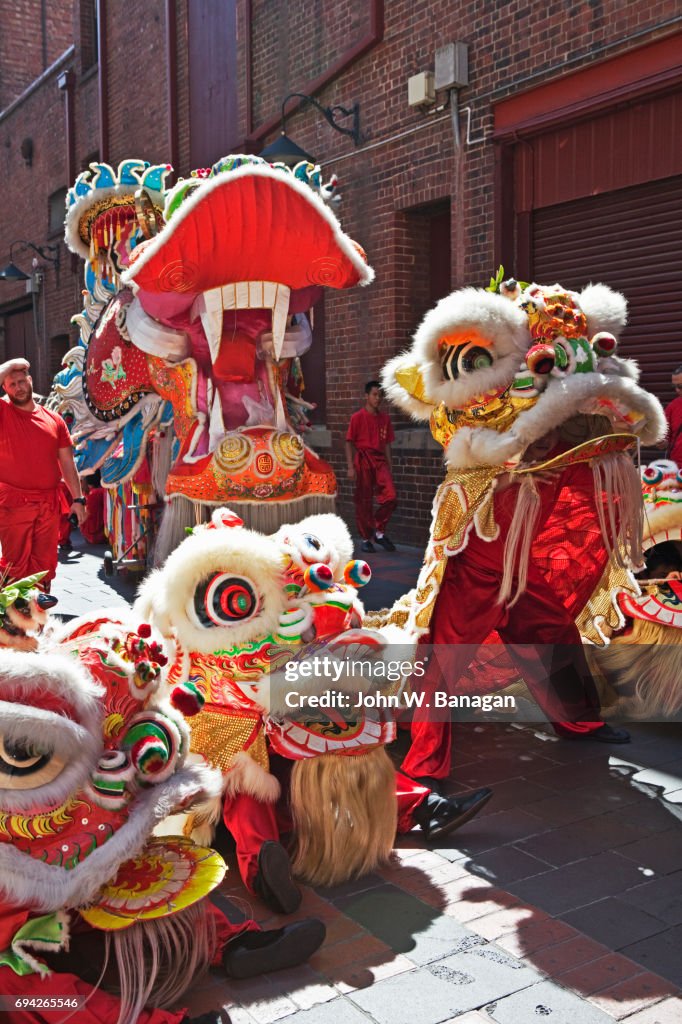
{"type": "Point", "coordinates": [630, 239]}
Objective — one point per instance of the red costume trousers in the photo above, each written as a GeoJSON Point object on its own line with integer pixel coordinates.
{"type": "Point", "coordinates": [251, 823]}
{"type": "Point", "coordinates": [545, 647]}
{"type": "Point", "coordinates": [373, 478]}
{"type": "Point", "coordinates": [29, 535]}
{"type": "Point", "coordinates": [95, 1005]}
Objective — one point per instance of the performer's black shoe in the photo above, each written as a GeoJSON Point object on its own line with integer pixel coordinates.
{"type": "Point", "coordinates": [212, 1017]}
{"type": "Point", "coordinates": [606, 734]}
{"type": "Point", "coordinates": [384, 542]}
{"type": "Point", "coordinates": [440, 815]}
{"type": "Point", "coordinates": [367, 546]}
{"type": "Point", "coordinates": [274, 883]}
{"type": "Point", "coordinates": [254, 953]}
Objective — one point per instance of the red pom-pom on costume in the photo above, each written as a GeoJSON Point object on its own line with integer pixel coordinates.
{"type": "Point", "coordinates": [187, 699]}
{"type": "Point", "coordinates": [144, 630]}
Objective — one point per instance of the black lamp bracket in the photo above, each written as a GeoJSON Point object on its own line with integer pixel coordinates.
{"type": "Point", "coordinates": [51, 253]}
{"type": "Point", "coordinates": [329, 113]}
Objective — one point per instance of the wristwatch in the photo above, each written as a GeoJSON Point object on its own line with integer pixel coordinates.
{"type": "Point", "coordinates": [78, 501]}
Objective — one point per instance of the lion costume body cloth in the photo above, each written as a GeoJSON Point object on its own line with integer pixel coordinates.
{"type": "Point", "coordinates": [538, 419]}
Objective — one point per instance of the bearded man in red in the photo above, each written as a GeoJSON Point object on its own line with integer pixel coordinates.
{"type": "Point", "coordinates": [35, 455]}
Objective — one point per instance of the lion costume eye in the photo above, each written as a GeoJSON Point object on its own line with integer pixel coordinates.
{"type": "Point", "coordinates": [312, 541]}
{"type": "Point", "coordinates": [25, 765]}
{"type": "Point", "coordinates": [458, 360]}
{"type": "Point", "coordinates": [224, 600]}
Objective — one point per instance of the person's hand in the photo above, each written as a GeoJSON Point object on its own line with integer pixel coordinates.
{"type": "Point", "coordinates": [351, 473]}
{"type": "Point", "coordinates": [12, 365]}
{"type": "Point", "coordinates": [80, 512]}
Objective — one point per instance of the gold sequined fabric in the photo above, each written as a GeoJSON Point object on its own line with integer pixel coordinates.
{"type": "Point", "coordinates": [601, 617]}
{"type": "Point", "coordinates": [218, 737]}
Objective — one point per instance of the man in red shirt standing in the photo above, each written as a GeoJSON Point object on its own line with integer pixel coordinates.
{"type": "Point", "coordinates": [35, 455]}
{"type": "Point", "coordinates": [673, 414]}
{"type": "Point", "coordinates": [368, 454]}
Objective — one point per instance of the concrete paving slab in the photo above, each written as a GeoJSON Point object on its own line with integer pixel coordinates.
{"type": "Point", "coordinates": [661, 897]}
{"type": "Point", "coordinates": [407, 924]}
{"type": "Point", "coordinates": [614, 923]}
{"type": "Point", "coordinates": [338, 1011]}
{"type": "Point", "coordinates": [660, 953]}
{"type": "Point", "coordinates": [445, 989]}
{"type": "Point", "coordinates": [545, 1000]}
{"type": "Point", "coordinates": [578, 884]}
{"type": "Point", "coordinates": [661, 852]}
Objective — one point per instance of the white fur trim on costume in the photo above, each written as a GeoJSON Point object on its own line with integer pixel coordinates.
{"type": "Point", "coordinates": [605, 309]}
{"type": "Point", "coordinates": [493, 317]}
{"type": "Point", "coordinates": [166, 598]}
{"type": "Point", "coordinates": [247, 776]}
{"type": "Point", "coordinates": [330, 530]}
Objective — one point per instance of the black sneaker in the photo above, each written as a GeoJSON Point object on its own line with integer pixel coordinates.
{"type": "Point", "coordinates": [367, 546]}
{"type": "Point", "coordinates": [254, 953]}
{"type": "Point", "coordinates": [385, 542]}
{"type": "Point", "coordinates": [273, 882]}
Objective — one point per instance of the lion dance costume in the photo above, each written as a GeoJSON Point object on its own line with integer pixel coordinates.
{"type": "Point", "coordinates": [517, 547]}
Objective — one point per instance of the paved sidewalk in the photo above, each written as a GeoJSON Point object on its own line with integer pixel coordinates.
{"type": "Point", "coordinates": [563, 899]}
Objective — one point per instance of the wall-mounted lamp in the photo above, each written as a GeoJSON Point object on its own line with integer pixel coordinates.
{"type": "Point", "coordinates": [50, 253]}
{"type": "Point", "coordinates": [285, 151]}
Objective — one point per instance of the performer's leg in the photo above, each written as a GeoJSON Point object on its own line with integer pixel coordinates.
{"type": "Point", "coordinates": [465, 613]}
{"type": "Point", "coordinates": [251, 823]}
{"type": "Point", "coordinates": [16, 539]}
{"type": "Point", "coordinates": [546, 647]}
{"type": "Point", "coordinates": [385, 495]}
{"type": "Point", "coordinates": [364, 497]}
{"type": "Point", "coordinates": [45, 542]}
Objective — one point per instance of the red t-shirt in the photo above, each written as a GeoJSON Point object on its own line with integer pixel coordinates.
{"type": "Point", "coordinates": [673, 414]}
{"type": "Point", "coordinates": [29, 443]}
{"type": "Point", "coordinates": [370, 431]}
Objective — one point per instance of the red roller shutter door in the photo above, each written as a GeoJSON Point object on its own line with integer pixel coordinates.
{"type": "Point", "coordinates": [630, 239]}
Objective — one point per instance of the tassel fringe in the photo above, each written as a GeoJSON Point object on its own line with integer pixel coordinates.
{"type": "Point", "coordinates": [519, 542]}
{"type": "Point", "coordinates": [158, 960]}
{"type": "Point", "coordinates": [617, 485]}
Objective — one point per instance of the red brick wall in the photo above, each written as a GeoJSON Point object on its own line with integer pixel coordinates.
{"type": "Point", "coordinates": [29, 45]}
{"type": "Point", "coordinates": [408, 159]}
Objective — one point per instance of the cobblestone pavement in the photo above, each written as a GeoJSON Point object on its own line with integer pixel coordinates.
{"type": "Point", "coordinates": [563, 899]}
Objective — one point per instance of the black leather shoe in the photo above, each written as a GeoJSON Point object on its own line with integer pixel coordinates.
{"type": "Point", "coordinates": [274, 883]}
{"type": "Point", "coordinates": [254, 953]}
{"type": "Point", "coordinates": [385, 542]}
{"type": "Point", "coordinates": [606, 734]}
{"type": "Point", "coordinates": [449, 813]}
{"type": "Point", "coordinates": [367, 546]}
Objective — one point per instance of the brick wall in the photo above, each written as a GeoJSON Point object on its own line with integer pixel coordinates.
{"type": "Point", "coordinates": [30, 42]}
